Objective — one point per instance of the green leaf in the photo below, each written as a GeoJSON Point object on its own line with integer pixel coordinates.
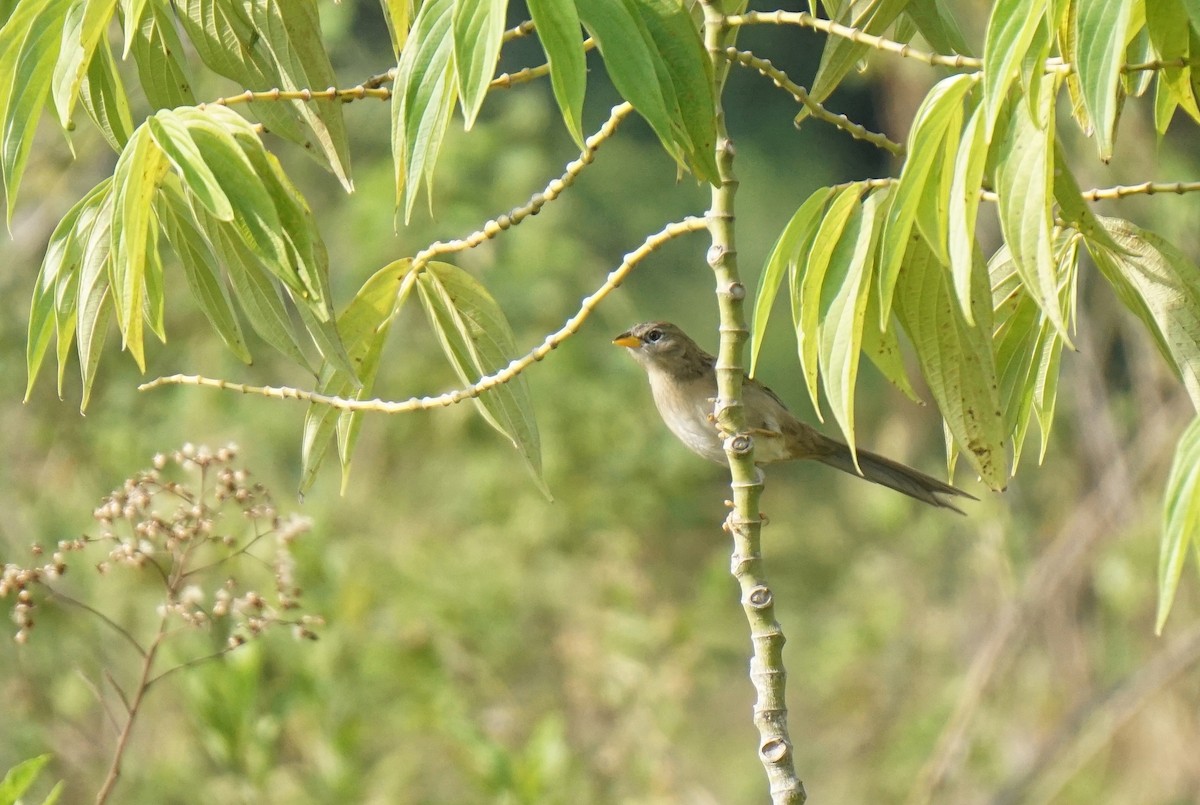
{"type": "Point", "coordinates": [941, 108]}
{"type": "Point", "coordinates": [840, 54]}
{"type": "Point", "coordinates": [398, 15]}
{"type": "Point", "coordinates": [103, 97]}
{"type": "Point", "coordinates": [558, 30]}
{"type": "Point", "coordinates": [882, 346]}
{"type": "Point", "coordinates": [844, 297]}
{"type": "Point", "coordinates": [422, 99]}
{"type": "Point", "coordinates": [810, 276]}
{"type": "Point", "coordinates": [793, 243]}
{"type": "Point", "coordinates": [364, 326]}
{"type": "Point", "coordinates": [1071, 206]}
{"type": "Point", "coordinates": [477, 339]}
{"type": "Point", "coordinates": [1024, 184]}
{"type": "Point", "coordinates": [634, 65]}
{"type": "Point", "coordinates": [690, 92]}
{"type": "Point", "coordinates": [266, 44]}
{"type": "Point", "coordinates": [478, 27]}
{"type": "Point", "coordinates": [1068, 45]}
{"type": "Point", "coordinates": [933, 206]}
{"type": "Point", "coordinates": [1167, 25]}
{"type": "Point", "coordinates": [20, 777]}
{"type": "Point", "coordinates": [965, 193]}
{"type": "Point", "coordinates": [1103, 29]}
{"type": "Point", "coordinates": [291, 52]}
{"type": "Point", "coordinates": [29, 46]}
{"type": "Point", "coordinates": [1027, 348]}
{"type": "Point", "coordinates": [269, 214]}
{"type": "Point", "coordinates": [956, 359]}
{"type": "Point", "coordinates": [86, 23]}
{"type": "Point", "coordinates": [156, 52]}
{"type": "Point", "coordinates": [1161, 286]}
{"type": "Point", "coordinates": [1010, 32]}
{"type": "Point", "coordinates": [172, 134]}
{"type": "Point", "coordinates": [1181, 516]}
{"type": "Point", "coordinates": [200, 268]}
{"type": "Point", "coordinates": [132, 14]}
{"type": "Point", "coordinates": [93, 311]}
{"type": "Point", "coordinates": [935, 20]}
{"type": "Point", "coordinates": [255, 292]}
{"type": "Point", "coordinates": [56, 291]}
{"type": "Point", "coordinates": [135, 181]}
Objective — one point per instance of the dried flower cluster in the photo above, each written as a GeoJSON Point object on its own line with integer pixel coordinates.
{"type": "Point", "coordinates": [187, 536]}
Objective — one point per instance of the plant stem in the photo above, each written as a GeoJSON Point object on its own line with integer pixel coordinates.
{"type": "Point", "coordinates": [132, 709]}
{"type": "Point", "coordinates": [744, 522]}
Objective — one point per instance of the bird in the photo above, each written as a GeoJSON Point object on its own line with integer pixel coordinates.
{"type": "Point", "coordinates": [683, 381]}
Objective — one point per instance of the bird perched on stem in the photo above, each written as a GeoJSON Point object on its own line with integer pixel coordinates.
{"type": "Point", "coordinates": [684, 382]}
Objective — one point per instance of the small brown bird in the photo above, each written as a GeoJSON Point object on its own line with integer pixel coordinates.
{"type": "Point", "coordinates": [684, 382]}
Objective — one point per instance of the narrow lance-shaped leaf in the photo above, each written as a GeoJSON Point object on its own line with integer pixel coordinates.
{"type": "Point", "coordinates": [794, 242]}
{"type": "Point", "coordinates": [135, 181]}
{"type": "Point", "coordinates": [844, 297]}
{"type": "Point", "coordinates": [689, 70]}
{"type": "Point", "coordinates": [94, 310]}
{"type": "Point", "coordinates": [1103, 29]}
{"type": "Point", "coordinates": [1161, 286]}
{"type": "Point", "coordinates": [364, 326]}
{"type": "Point", "coordinates": [634, 66]}
{"type": "Point", "coordinates": [965, 189]}
{"type": "Point", "coordinates": [157, 51]}
{"type": "Point", "coordinates": [956, 359]}
{"type": "Point", "coordinates": [1181, 517]}
{"type": "Point", "coordinates": [29, 46]}
{"type": "Point", "coordinates": [477, 339]}
{"type": "Point", "coordinates": [1071, 206]}
{"type": "Point", "coordinates": [56, 291]}
{"type": "Point", "coordinates": [291, 52]}
{"type": "Point", "coordinates": [840, 54]}
{"type": "Point", "coordinates": [104, 100]}
{"type": "Point", "coordinates": [478, 26]}
{"type": "Point", "coordinates": [809, 278]}
{"type": "Point", "coordinates": [200, 268]}
{"type": "Point", "coordinates": [941, 107]}
{"type": "Point", "coordinates": [422, 98]}
{"type": "Point", "coordinates": [1011, 29]}
{"type": "Point", "coordinates": [1024, 184]}
{"type": "Point", "coordinates": [1167, 26]}
{"type": "Point", "coordinates": [558, 30]}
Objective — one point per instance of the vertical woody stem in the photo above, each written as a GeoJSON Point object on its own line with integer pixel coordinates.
{"type": "Point", "coordinates": [744, 522]}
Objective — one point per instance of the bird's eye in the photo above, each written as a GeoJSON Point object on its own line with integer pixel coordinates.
{"type": "Point", "coordinates": [654, 336]}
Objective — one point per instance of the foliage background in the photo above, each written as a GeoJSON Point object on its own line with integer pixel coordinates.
{"type": "Point", "coordinates": [484, 645]}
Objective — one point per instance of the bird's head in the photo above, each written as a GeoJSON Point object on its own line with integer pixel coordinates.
{"type": "Point", "coordinates": [660, 345]}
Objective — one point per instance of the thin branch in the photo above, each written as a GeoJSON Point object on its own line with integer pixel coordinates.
{"type": "Point", "coordinates": [553, 190]}
{"type": "Point", "coordinates": [516, 32]}
{"type": "Point", "coordinates": [192, 662]}
{"type": "Point", "coordinates": [855, 130]}
{"type": "Point", "coordinates": [112, 718]}
{"type": "Point", "coordinates": [508, 80]}
{"type": "Point", "coordinates": [134, 707]}
{"type": "Point", "coordinates": [505, 375]}
{"type": "Point", "coordinates": [856, 35]}
{"type": "Point", "coordinates": [118, 628]}
{"type": "Point", "coordinates": [956, 61]}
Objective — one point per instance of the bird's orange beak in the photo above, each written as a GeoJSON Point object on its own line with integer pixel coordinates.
{"type": "Point", "coordinates": [627, 340]}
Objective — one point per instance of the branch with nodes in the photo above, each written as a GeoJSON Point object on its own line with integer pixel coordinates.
{"type": "Point", "coordinates": [553, 190]}
{"type": "Point", "coordinates": [859, 132]}
{"type": "Point", "coordinates": [955, 61]}
{"type": "Point", "coordinates": [505, 375]}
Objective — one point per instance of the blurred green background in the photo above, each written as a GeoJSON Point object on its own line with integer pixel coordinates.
{"type": "Point", "coordinates": [484, 645]}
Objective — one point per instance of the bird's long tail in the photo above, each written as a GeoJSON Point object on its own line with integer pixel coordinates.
{"type": "Point", "coordinates": [894, 475]}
